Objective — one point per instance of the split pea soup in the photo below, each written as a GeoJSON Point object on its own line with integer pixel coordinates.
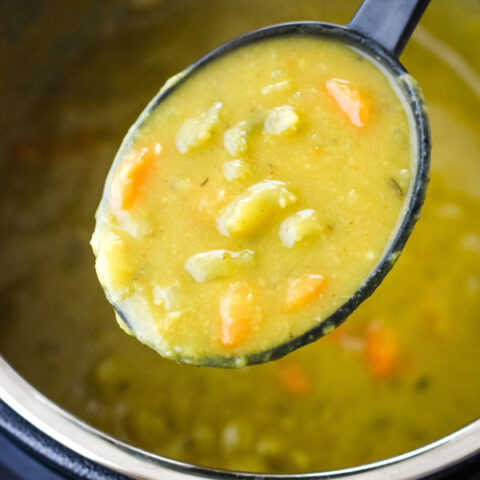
{"type": "Point", "coordinates": [254, 200]}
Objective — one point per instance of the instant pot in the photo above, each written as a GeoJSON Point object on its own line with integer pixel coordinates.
{"type": "Point", "coordinates": [38, 439]}
{"type": "Point", "coordinates": [54, 444]}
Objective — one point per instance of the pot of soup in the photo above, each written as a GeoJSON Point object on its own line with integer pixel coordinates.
{"type": "Point", "coordinates": [392, 393]}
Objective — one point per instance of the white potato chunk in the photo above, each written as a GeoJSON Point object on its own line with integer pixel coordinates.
{"type": "Point", "coordinates": [281, 120]}
{"type": "Point", "coordinates": [277, 87]}
{"type": "Point", "coordinates": [235, 170]}
{"type": "Point", "coordinates": [215, 264]}
{"type": "Point", "coordinates": [196, 131]}
{"type": "Point", "coordinates": [254, 208]}
{"type": "Point", "coordinates": [113, 264]}
{"type": "Point", "coordinates": [167, 297]}
{"type": "Point", "coordinates": [235, 139]}
{"type": "Point", "coordinates": [299, 226]}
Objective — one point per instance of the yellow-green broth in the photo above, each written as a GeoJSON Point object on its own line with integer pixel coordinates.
{"type": "Point", "coordinates": [56, 328]}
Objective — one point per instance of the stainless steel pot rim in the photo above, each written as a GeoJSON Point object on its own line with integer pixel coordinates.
{"type": "Point", "coordinates": [141, 465]}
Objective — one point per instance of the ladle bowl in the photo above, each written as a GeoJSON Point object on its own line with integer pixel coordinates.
{"type": "Point", "coordinates": [378, 31]}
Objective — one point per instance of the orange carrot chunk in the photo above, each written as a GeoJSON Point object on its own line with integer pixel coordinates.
{"type": "Point", "coordinates": [304, 290]}
{"type": "Point", "coordinates": [293, 378]}
{"type": "Point", "coordinates": [129, 180]}
{"type": "Point", "coordinates": [355, 104]}
{"type": "Point", "coordinates": [238, 308]}
{"type": "Point", "coordinates": [381, 351]}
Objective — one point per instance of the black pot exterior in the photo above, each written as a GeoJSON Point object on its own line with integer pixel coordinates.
{"type": "Point", "coordinates": [49, 452]}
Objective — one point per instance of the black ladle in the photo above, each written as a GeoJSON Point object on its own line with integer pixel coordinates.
{"type": "Point", "coordinates": [380, 29]}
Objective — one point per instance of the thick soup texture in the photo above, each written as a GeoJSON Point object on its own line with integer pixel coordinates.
{"type": "Point", "coordinates": [254, 200]}
{"type": "Point", "coordinates": [404, 369]}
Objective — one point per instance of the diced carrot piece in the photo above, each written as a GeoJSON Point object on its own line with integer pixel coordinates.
{"type": "Point", "coordinates": [293, 378]}
{"type": "Point", "coordinates": [238, 307]}
{"type": "Point", "coordinates": [304, 290]}
{"type": "Point", "coordinates": [354, 103]}
{"type": "Point", "coordinates": [129, 180]}
{"type": "Point", "coordinates": [381, 351]}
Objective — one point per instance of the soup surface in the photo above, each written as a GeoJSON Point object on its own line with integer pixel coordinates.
{"type": "Point", "coordinates": [254, 200]}
{"type": "Point", "coordinates": [404, 368]}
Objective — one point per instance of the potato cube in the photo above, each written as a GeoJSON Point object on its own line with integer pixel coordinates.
{"type": "Point", "coordinates": [167, 297]}
{"type": "Point", "coordinates": [113, 264]}
{"type": "Point", "coordinates": [277, 87]}
{"type": "Point", "coordinates": [235, 170]}
{"type": "Point", "coordinates": [235, 139]}
{"type": "Point", "coordinates": [281, 120]}
{"type": "Point", "coordinates": [196, 131]}
{"type": "Point", "coordinates": [299, 226]}
{"type": "Point", "coordinates": [215, 264]}
{"type": "Point", "coordinates": [254, 208]}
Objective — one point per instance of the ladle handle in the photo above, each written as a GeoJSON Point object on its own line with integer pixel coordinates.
{"type": "Point", "coordinates": [388, 22]}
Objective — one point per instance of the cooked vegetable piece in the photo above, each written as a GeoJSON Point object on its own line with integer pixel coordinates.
{"type": "Point", "coordinates": [239, 308]}
{"type": "Point", "coordinates": [354, 103]}
{"type": "Point", "coordinates": [235, 170]}
{"type": "Point", "coordinates": [235, 139]}
{"type": "Point", "coordinates": [254, 208]}
{"type": "Point", "coordinates": [168, 297]}
{"type": "Point", "coordinates": [381, 350]}
{"type": "Point", "coordinates": [304, 290]}
{"type": "Point", "coordinates": [293, 377]}
{"type": "Point", "coordinates": [129, 180]}
{"type": "Point", "coordinates": [113, 264]}
{"type": "Point", "coordinates": [277, 87]}
{"type": "Point", "coordinates": [281, 120]}
{"type": "Point", "coordinates": [215, 264]}
{"type": "Point", "coordinates": [303, 224]}
{"type": "Point", "coordinates": [195, 132]}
